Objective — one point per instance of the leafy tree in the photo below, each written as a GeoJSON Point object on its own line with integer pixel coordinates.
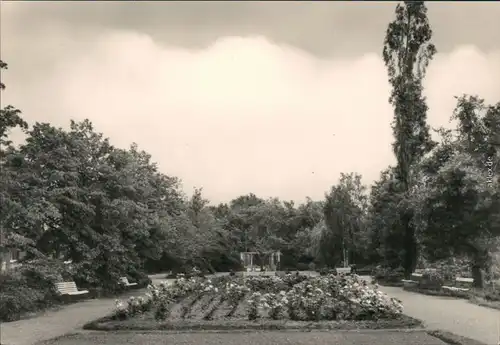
{"type": "Point", "coordinates": [303, 247]}
{"type": "Point", "coordinates": [383, 221]}
{"type": "Point", "coordinates": [458, 202]}
{"type": "Point", "coordinates": [407, 53]}
{"type": "Point", "coordinates": [345, 212]}
{"type": "Point", "coordinates": [10, 206]}
{"type": "Point", "coordinates": [10, 117]}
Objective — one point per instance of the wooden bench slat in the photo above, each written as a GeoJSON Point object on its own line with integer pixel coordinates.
{"type": "Point", "coordinates": [69, 288]}
{"type": "Point", "coordinates": [124, 281]}
{"type": "Point", "coordinates": [453, 288]}
{"type": "Point", "coordinates": [417, 276]}
{"type": "Point", "coordinates": [408, 283]}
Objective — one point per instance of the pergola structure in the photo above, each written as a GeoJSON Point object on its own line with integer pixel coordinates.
{"type": "Point", "coordinates": [274, 258]}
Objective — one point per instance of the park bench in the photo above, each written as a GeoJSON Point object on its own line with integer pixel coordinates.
{"type": "Point", "coordinates": [462, 284]}
{"type": "Point", "coordinates": [464, 280]}
{"type": "Point", "coordinates": [409, 283]}
{"type": "Point", "coordinates": [69, 289]}
{"type": "Point", "coordinates": [415, 279]}
{"type": "Point", "coordinates": [416, 276]}
{"type": "Point", "coordinates": [454, 288]}
{"type": "Point", "coordinates": [343, 270]}
{"type": "Point", "coordinates": [124, 281]}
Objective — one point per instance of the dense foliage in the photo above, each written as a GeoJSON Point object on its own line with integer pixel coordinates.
{"type": "Point", "coordinates": [68, 194]}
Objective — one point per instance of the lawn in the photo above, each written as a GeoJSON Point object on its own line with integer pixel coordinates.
{"type": "Point", "coordinates": [259, 302]}
{"type": "Point", "coordinates": [250, 338]}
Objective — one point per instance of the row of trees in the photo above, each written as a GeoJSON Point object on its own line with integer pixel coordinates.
{"type": "Point", "coordinates": [446, 194]}
{"type": "Point", "coordinates": [70, 194]}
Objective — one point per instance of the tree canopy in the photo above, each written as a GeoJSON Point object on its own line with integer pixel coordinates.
{"type": "Point", "coordinates": [70, 194]}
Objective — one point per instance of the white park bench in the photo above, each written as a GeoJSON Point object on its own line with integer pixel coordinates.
{"type": "Point", "coordinates": [454, 288]}
{"type": "Point", "coordinates": [464, 280]}
{"type": "Point", "coordinates": [124, 281]}
{"type": "Point", "coordinates": [463, 284]}
{"type": "Point", "coordinates": [343, 270]}
{"type": "Point", "coordinates": [70, 289]}
{"type": "Point", "coordinates": [409, 283]}
{"type": "Point", "coordinates": [416, 276]}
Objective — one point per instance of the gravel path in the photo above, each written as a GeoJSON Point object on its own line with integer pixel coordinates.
{"type": "Point", "coordinates": [254, 338]}
{"type": "Point", "coordinates": [453, 315]}
{"type": "Point", "coordinates": [56, 323]}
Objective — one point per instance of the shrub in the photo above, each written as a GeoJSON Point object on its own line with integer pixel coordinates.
{"type": "Point", "coordinates": [141, 278]}
{"type": "Point", "coordinates": [431, 279]}
{"type": "Point", "coordinates": [365, 270]}
{"type": "Point", "coordinates": [274, 304]}
{"type": "Point", "coordinates": [495, 266]}
{"type": "Point", "coordinates": [30, 288]}
{"type": "Point", "coordinates": [452, 267]}
{"type": "Point", "coordinates": [293, 279]}
{"type": "Point", "coordinates": [388, 275]}
{"type": "Point", "coordinates": [302, 266]}
{"type": "Point", "coordinates": [490, 293]}
{"type": "Point", "coordinates": [266, 284]}
{"type": "Point", "coordinates": [21, 300]}
{"type": "Point", "coordinates": [323, 272]}
{"type": "Point", "coordinates": [235, 292]}
{"type": "Point", "coordinates": [253, 306]}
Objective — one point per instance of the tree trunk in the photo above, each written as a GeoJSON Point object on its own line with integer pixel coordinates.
{"type": "Point", "coordinates": [477, 275]}
{"type": "Point", "coordinates": [2, 261]}
{"type": "Point", "coordinates": [477, 272]}
{"type": "Point", "coordinates": [410, 246]}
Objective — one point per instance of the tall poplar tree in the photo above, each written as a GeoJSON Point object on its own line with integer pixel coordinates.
{"type": "Point", "coordinates": [407, 52]}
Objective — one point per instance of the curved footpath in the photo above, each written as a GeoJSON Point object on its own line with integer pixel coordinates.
{"type": "Point", "coordinates": [54, 323]}
{"type": "Point", "coordinates": [448, 314]}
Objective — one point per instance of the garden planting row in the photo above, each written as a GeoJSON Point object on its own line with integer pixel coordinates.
{"type": "Point", "coordinates": [292, 299]}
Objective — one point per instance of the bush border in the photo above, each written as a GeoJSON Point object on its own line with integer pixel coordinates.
{"type": "Point", "coordinates": [388, 283]}
{"type": "Point", "coordinates": [484, 303]}
{"type": "Point", "coordinates": [452, 338]}
{"type": "Point", "coordinates": [471, 298]}
{"type": "Point", "coordinates": [107, 323]}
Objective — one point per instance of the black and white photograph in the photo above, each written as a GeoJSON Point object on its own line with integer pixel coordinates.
{"type": "Point", "coordinates": [249, 172]}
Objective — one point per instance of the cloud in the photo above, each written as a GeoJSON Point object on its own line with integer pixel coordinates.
{"type": "Point", "coordinates": [245, 114]}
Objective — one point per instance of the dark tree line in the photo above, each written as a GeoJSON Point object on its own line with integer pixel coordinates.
{"type": "Point", "coordinates": [69, 194]}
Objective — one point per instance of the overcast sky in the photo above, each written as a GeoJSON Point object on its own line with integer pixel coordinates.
{"type": "Point", "coordinates": [236, 97]}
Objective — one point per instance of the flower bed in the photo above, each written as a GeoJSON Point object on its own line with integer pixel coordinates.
{"type": "Point", "coordinates": [264, 302]}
